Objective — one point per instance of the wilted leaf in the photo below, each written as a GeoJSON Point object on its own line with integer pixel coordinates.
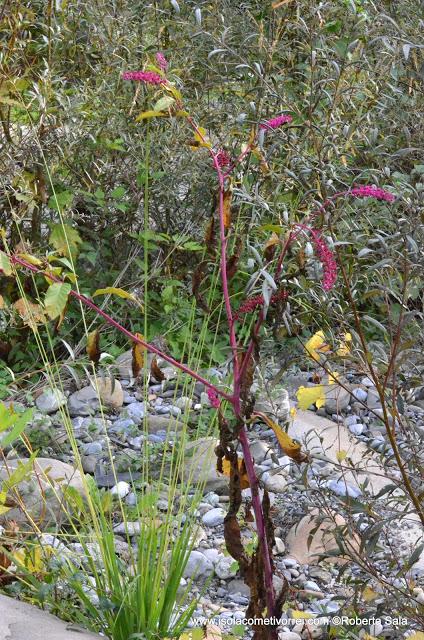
{"type": "Point", "coordinates": [137, 356]}
{"type": "Point", "coordinates": [30, 313]}
{"type": "Point", "coordinates": [290, 447]}
{"type": "Point", "coordinates": [228, 194]}
{"type": "Point", "coordinates": [56, 298]}
{"type": "Point", "coordinates": [196, 281]}
{"type": "Point", "coordinates": [155, 371]}
{"type": "Point", "coordinates": [311, 395]}
{"type": "Point", "coordinates": [5, 265]}
{"type": "Point", "coordinates": [270, 245]}
{"type": "Point", "coordinates": [2, 303]}
{"type": "Point", "coordinates": [93, 348]}
{"type": "Point", "coordinates": [226, 470]}
{"type": "Point", "coordinates": [65, 239]}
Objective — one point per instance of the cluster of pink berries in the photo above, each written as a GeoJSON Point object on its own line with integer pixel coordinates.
{"type": "Point", "coordinates": [149, 77]}
{"type": "Point", "coordinates": [274, 123]}
{"type": "Point", "coordinates": [251, 304]}
{"type": "Point", "coordinates": [367, 191]}
{"type": "Point", "coordinates": [213, 398]}
{"type": "Point", "coordinates": [222, 158]}
{"type": "Point", "coordinates": [327, 259]}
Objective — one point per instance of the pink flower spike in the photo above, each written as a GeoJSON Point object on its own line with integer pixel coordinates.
{"type": "Point", "coordinates": [162, 61]}
{"type": "Point", "coordinates": [149, 77]}
{"type": "Point", "coordinates": [327, 259]}
{"type": "Point", "coordinates": [367, 191]}
{"type": "Point", "coordinates": [213, 398]}
{"type": "Point", "coordinates": [274, 123]}
{"type": "Point", "coordinates": [222, 158]}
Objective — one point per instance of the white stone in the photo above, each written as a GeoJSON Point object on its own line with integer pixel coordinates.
{"type": "Point", "coordinates": [342, 488]}
{"type": "Point", "coordinates": [121, 489]}
{"type": "Point", "coordinates": [288, 635]}
{"type": "Point", "coordinates": [214, 517]}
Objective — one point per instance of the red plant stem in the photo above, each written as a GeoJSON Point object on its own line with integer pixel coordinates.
{"type": "Point", "coordinates": [122, 329]}
{"type": "Point", "coordinates": [235, 400]}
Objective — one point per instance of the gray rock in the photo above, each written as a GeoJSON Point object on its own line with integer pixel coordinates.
{"type": "Point", "coordinates": [214, 517]}
{"type": "Point", "coordinates": [50, 400]}
{"type": "Point", "coordinates": [84, 402]}
{"type": "Point", "coordinates": [136, 411]}
{"type": "Point", "coordinates": [121, 489]}
{"type": "Point", "coordinates": [341, 488]}
{"type": "Point", "coordinates": [89, 464]}
{"type": "Point", "coordinates": [336, 399]}
{"type": "Point", "coordinates": [198, 566]}
{"type": "Point", "coordinates": [360, 394]}
{"type": "Point", "coordinates": [260, 450]}
{"type": "Point", "coordinates": [350, 420]}
{"type": "Point", "coordinates": [20, 620]}
{"type": "Point", "coordinates": [42, 491]}
{"type": "Point", "coordinates": [200, 466]}
{"type": "Point", "coordinates": [373, 400]}
{"type": "Point", "coordinates": [238, 586]}
{"type": "Point", "coordinates": [93, 449]}
{"type": "Point", "coordinates": [225, 567]}
{"type": "Point", "coordinates": [183, 403]}
{"type": "Point", "coordinates": [357, 429]}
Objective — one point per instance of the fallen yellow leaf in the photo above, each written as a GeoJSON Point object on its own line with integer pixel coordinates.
{"type": "Point", "coordinates": [311, 395]}
{"type": "Point", "coordinates": [344, 348]}
{"type": "Point", "coordinates": [369, 594]}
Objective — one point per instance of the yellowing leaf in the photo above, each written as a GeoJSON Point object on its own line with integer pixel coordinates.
{"type": "Point", "coordinates": [164, 103]}
{"type": "Point", "coordinates": [4, 509]}
{"type": "Point", "coordinates": [290, 447]}
{"type": "Point", "coordinates": [2, 302]}
{"type": "Point", "coordinates": [368, 594]}
{"type": "Point", "coordinates": [311, 395]}
{"type": "Point", "coordinates": [145, 115]}
{"type": "Point", "coordinates": [333, 377]}
{"type": "Point", "coordinates": [317, 345]}
{"type": "Point", "coordinates": [226, 470]}
{"type": "Point", "coordinates": [301, 615]}
{"type": "Point", "coordinates": [30, 259]}
{"type": "Point", "coordinates": [65, 239]}
{"type": "Point", "coordinates": [5, 265]}
{"type": "Point", "coordinates": [341, 455]}
{"type": "Point", "coordinates": [138, 352]}
{"type": "Point", "coordinates": [419, 635]}
{"type": "Point", "coordinates": [344, 348]}
{"type": "Point", "coordinates": [34, 560]}
{"type": "Point", "coordinates": [115, 291]}
{"type": "Point", "coordinates": [200, 139]}
{"type": "Point", "coordinates": [293, 412]}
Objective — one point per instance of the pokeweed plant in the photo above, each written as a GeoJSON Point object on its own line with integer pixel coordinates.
{"type": "Point", "coordinates": [235, 403]}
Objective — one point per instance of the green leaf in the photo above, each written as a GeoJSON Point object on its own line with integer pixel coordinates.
{"type": "Point", "coordinates": [20, 422]}
{"type": "Point", "coordinates": [56, 298]}
{"type": "Point", "coordinates": [60, 201]}
{"type": "Point", "coordinates": [5, 265]}
{"type": "Point", "coordinates": [65, 239]}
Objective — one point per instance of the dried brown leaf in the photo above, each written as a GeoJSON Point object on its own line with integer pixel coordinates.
{"type": "Point", "coordinates": [155, 371]}
{"type": "Point", "coordinates": [93, 346]}
{"type": "Point", "coordinates": [138, 353]}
